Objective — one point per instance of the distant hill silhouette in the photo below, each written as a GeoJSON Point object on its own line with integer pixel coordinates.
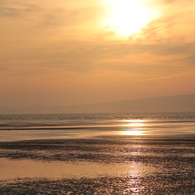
{"type": "Point", "coordinates": [156, 104]}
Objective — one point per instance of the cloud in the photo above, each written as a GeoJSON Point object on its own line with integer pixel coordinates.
{"type": "Point", "coordinates": [173, 2]}
{"type": "Point", "coordinates": [189, 61]}
{"type": "Point", "coordinates": [16, 9]}
{"type": "Point", "coordinates": [85, 56]}
{"type": "Point", "coordinates": [159, 78]}
{"type": "Point", "coordinates": [59, 35]}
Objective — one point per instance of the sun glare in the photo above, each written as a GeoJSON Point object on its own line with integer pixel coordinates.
{"type": "Point", "coordinates": [126, 17]}
{"type": "Point", "coordinates": [134, 123]}
{"type": "Point", "coordinates": [129, 132]}
{"type": "Point", "coordinates": [134, 127]}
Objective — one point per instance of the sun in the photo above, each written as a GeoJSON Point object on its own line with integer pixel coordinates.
{"type": "Point", "coordinates": [126, 17]}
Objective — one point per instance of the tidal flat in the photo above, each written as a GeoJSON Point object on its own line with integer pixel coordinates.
{"type": "Point", "coordinates": [118, 164]}
{"type": "Point", "coordinates": [98, 154]}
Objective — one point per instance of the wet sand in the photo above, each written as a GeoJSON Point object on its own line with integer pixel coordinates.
{"type": "Point", "coordinates": [105, 164]}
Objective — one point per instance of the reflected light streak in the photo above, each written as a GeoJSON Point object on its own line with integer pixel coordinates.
{"type": "Point", "coordinates": [135, 123]}
{"type": "Point", "coordinates": [137, 127]}
{"type": "Point", "coordinates": [130, 132]}
{"type": "Point", "coordinates": [136, 174]}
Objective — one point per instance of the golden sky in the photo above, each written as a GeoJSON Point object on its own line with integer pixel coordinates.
{"type": "Point", "coordinates": [77, 52]}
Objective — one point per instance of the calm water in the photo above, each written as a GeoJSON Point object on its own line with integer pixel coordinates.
{"type": "Point", "coordinates": [140, 153]}
{"type": "Point", "coordinates": [61, 126]}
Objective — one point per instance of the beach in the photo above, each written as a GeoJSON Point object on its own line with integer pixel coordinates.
{"type": "Point", "coordinates": [98, 154]}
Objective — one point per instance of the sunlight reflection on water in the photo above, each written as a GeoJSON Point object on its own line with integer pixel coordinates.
{"type": "Point", "coordinates": [133, 132]}
{"type": "Point", "coordinates": [12, 169]}
{"type": "Point", "coordinates": [94, 129]}
{"type": "Point", "coordinates": [134, 127]}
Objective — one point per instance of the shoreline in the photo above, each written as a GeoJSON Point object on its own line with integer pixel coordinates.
{"type": "Point", "coordinates": [133, 159]}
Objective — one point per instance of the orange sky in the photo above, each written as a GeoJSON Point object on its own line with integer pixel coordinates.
{"type": "Point", "coordinates": [78, 52]}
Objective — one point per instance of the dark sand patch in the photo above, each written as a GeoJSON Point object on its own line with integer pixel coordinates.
{"type": "Point", "coordinates": [172, 159]}
{"type": "Point", "coordinates": [156, 184]}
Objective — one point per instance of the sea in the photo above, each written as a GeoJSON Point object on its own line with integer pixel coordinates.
{"type": "Point", "coordinates": [61, 126]}
{"type": "Point", "coordinates": [98, 153]}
